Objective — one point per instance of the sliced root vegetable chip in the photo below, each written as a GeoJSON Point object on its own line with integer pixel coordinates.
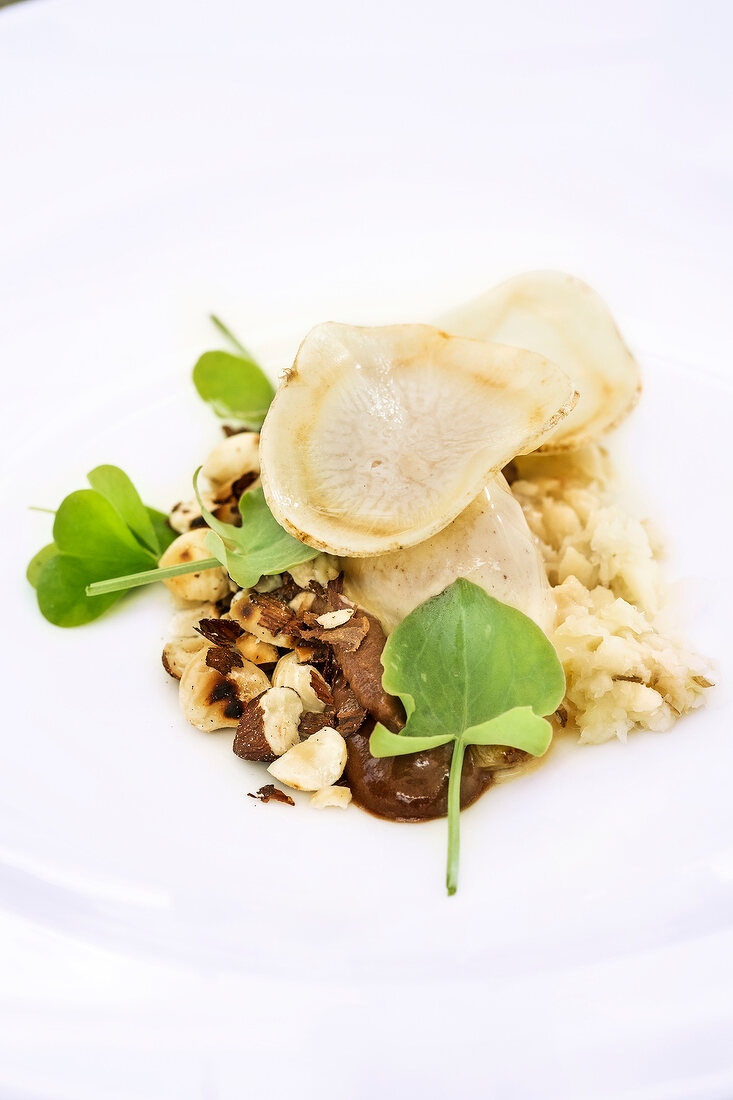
{"type": "Point", "coordinates": [379, 437]}
{"type": "Point", "coordinates": [563, 318]}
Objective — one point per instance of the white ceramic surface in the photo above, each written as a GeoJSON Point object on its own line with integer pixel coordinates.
{"type": "Point", "coordinates": [162, 935]}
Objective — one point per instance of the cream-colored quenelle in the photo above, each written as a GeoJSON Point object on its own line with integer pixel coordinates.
{"type": "Point", "coordinates": [379, 437]}
{"type": "Point", "coordinates": [489, 544]}
{"type": "Point", "coordinates": [563, 318]}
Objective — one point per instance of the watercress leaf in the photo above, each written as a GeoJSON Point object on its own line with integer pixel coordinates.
{"type": "Point", "coordinates": [259, 548]}
{"type": "Point", "coordinates": [234, 385]}
{"type": "Point", "coordinates": [37, 562]}
{"type": "Point", "coordinates": [518, 728]}
{"type": "Point", "coordinates": [385, 743]}
{"type": "Point", "coordinates": [61, 591]}
{"type": "Point", "coordinates": [475, 671]}
{"type": "Point", "coordinates": [463, 658]}
{"type": "Point", "coordinates": [163, 530]}
{"type": "Point", "coordinates": [87, 526]}
{"type": "Point", "coordinates": [265, 540]}
{"type": "Point", "coordinates": [116, 487]}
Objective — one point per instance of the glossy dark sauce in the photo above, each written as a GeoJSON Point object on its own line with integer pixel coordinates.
{"type": "Point", "coordinates": [408, 788]}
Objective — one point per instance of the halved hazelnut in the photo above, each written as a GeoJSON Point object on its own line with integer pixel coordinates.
{"type": "Point", "coordinates": [306, 680]}
{"type": "Point", "coordinates": [184, 640]}
{"type": "Point", "coordinates": [233, 457]}
{"type": "Point", "coordinates": [209, 584]}
{"type": "Point", "coordinates": [313, 764]}
{"type": "Point", "coordinates": [211, 700]}
{"type": "Point", "coordinates": [269, 725]}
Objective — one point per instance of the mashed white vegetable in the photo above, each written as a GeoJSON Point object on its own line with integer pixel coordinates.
{"type": "Point", "coordinates": [623, 673]}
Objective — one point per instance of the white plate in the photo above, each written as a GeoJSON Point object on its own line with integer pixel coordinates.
{"type": "Point", "coordinates": [166, 935]}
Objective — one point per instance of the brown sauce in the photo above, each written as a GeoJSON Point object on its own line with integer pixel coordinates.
{"type": "Point", "coordinates": [408, 788]}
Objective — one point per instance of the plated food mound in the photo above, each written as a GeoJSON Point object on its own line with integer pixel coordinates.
{"type": "Point", "coordinates": [408, 567]}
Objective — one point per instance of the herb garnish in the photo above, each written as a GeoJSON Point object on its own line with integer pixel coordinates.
{"type": "Point", "coordinates": [479, 672]}
{"type": "Point", "coordinates": [98, 533]}
{"type": "Point", "coordinates": [259, 548]}
{"type": "Point", "coordinates": [235, 386]}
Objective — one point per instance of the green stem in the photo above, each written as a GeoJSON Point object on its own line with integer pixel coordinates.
{"type": "Point", "coordinates": [35, 508]}
{"type": "Point", "coordinates": [230, 336]}
{"type": "Point", "coordinates": [454, 814]}
{"type": "Point", "coordinates": [137, 580]}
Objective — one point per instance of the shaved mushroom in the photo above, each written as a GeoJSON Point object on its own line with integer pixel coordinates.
{"type": "Point", "coordinates": [250, 615]}
{"type": "Point", "coordinates": [306, 680]}
{"type": "Point", "coordinates": [313, 764]}
{"type": "Point", "coordinates": [213, 701]}
{"type": "Point", "coordinates": [489, 544]}
{"type": "Point", "coordinates": [209, 584]}
{"type": "Point", "coordinates": [379, 437]}
{"type": "Point", "coordinates": [232, 458]}
{"type": "Point", "coordinates": [563, 318]}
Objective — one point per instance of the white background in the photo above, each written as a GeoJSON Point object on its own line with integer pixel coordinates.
{"type": "Point", "coordinates": [284, 164]}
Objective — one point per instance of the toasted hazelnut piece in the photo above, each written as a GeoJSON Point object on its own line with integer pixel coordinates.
{"type": "Point", "coordinates": [186, 513]}
{"type": "Point", "coordinates": [309, 651]}
{"type": "Point", "coordinates": [233, 457]}
{"type": "Point", "coordinates": [247, 614]}
{"type": "Point", "coordinates": [315, 763]}
{"type": "Point", "coordinates": [183, 639]}
{"type": "Point", "coordinates": [177, 653]}
{"type": "Point", "coordinates": [331, 619]}
{"type": "Point", "coordinates": [255, 650]}
{"type": "Point", "coordinates": [269, 725]}
{"type": "Point", "coordinates": [321, 569]}
{"type": "Point", "coordinates": [183, 624]}
{"type": "Point", "coordinates": [211, 701]}
{"type": "Point", "coordinates": [306, 680]}
{"type": "Point", "coordinates": [209, 584]}
{"type": "Point", "coordinates": [331, 796]}
{"type": "Point", "coordinates": [302, 602]}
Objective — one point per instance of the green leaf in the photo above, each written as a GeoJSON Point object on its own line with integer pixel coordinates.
{"type": "Point", "coordinates": [471, 670]}
{"type": "Point", "coordinates": [462, 658]}
{"type": "Point", "coordinates": [88, 527]}
{"type": "Point", "coordinates": [37, 562]}
{"type": "Point", "coordinates": [61, 591]}
{"type": "Point", "coordinates": [519, 728]}
{"type": "Point", "coordinates": [116, 487]}
{"type": "Point", "coordinates": [234, 385]}
{"type": "Point", "coordinates": [163, 530]}
{"type": "Point", "coordinates": [102, 534]}
{"type": "Point", "coordinates": [259, 548]}
{"type": "Point", "coordinates": [385, 743]}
